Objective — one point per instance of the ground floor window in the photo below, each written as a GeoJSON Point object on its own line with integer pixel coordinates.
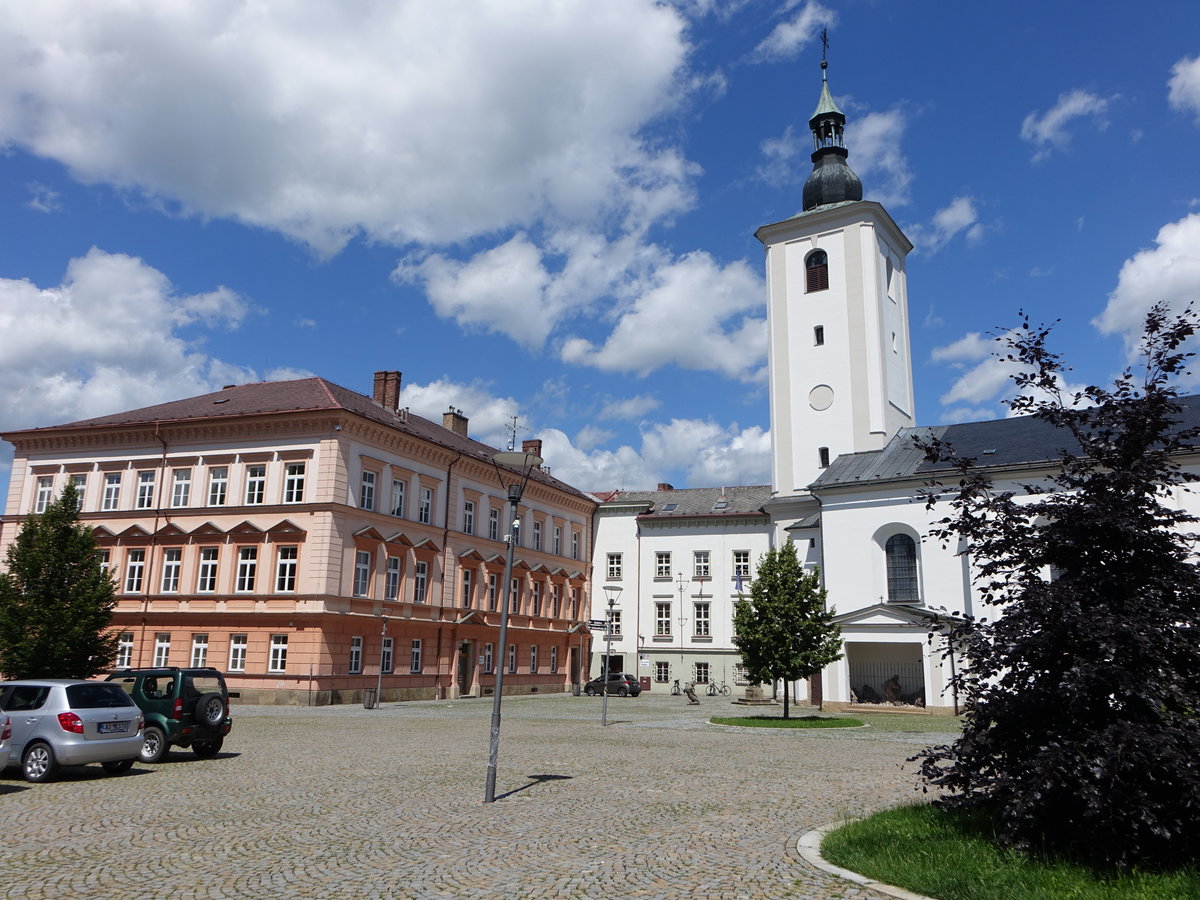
{"type": "Point", "coordinates": [278, 658]}
{"type": "Point", "coordinates": [162, 649]}
{"type": "Point", "coordinates": [125, 650]}
{"type": "Point", "coordinates": [662, 672]}
{"type": "Point", "coordinates": [237, 652]}
{"type": "Point", "coordinates": [701, 673]}
{"type": "Point", "coordinates": [553, 660]}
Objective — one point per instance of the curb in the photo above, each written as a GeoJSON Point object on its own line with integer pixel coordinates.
{"type": "Point", "coordinates": [809, 847]}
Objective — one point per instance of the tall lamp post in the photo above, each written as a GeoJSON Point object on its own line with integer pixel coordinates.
{"type": "Point", "coordinates": [612, 592]}
{"type": "Point", "coordinates": [520, 465]}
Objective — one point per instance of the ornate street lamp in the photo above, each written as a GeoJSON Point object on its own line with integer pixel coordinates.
{"type": "Point", "coordinates": [612, 592]}
{"type": "Point", "coordinates": [520, 465]}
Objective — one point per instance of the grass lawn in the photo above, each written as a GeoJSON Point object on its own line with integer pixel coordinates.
{"type": "Point", "coordinates": [950, 855]}
{"type": "Point", "coordinates": [793, 722]}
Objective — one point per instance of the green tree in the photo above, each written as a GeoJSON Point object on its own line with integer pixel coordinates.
{"type": "Point", "coordinates": [1081, 733]}
{"type": "Point", "coordinates": [56, 601]}
{"type": "Point", "coordinates": [784, 630]}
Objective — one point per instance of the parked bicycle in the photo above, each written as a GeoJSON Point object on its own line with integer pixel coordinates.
{"type": "Point", "coordinates": [715, 688]}
{"type": "Point", "coordinates": [676, 690]}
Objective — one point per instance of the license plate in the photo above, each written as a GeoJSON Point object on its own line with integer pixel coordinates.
{"type": "Point", "coordinates": [113, 727]}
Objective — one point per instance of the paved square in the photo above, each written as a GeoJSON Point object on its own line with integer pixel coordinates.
{"type": "Point", "coordinates": [345, 802]}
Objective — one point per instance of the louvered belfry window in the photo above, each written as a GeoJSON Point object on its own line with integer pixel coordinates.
{"type": "Point", "coordinates": [816, 272]}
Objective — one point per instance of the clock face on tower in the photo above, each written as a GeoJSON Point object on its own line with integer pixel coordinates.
{"type": "Point", "coordinates": [820, 397]}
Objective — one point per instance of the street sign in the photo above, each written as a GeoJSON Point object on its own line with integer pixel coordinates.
{"type": "Point", "coordinates": [597, 623]}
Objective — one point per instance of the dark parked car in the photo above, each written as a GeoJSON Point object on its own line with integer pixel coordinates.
{"type": "Point", "coordinates": [183, 708]}
{"type": "Point", "coordinates": [64, 722]}
{"type": "Point", "coordinates": [617, 683]}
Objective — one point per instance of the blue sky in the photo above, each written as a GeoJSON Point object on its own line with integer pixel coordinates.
{"type": "Point", "coordinates": [546, 209]}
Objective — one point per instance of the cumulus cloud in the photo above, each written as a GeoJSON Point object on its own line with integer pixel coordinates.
{"type": "Point", "coordinates": [958, 217]}
{"type": "Point", "coordinates": [629, 408]}
{"type": "Point", "coordinates": [299, 117]}
{"type": "Point", "coordinates": [693, 313]}
{"type": "Point", "coordinates": [1169, 272]}
{"type": "Point", "coordinates": [1184, 86]}
{"type": "Point", "coordinates": [874, 142]}
{"type": "Point", "coordinates": [789, 37]}
{"type": "Point", "coordinates": [1050, 131]}
{"type": "Point", "coordinates": [107, 338]}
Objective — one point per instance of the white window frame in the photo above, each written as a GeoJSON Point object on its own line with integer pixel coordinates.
{"type": "Point", "coordinates": [537, 535]}
{"type": "Point", "coordinates": [366, 489]}
{"type": "Point", "coordinates": [256, 484]}
{"type": "Point", "coordinates": [414, 657]}
{"type": "Point", "coordinates": [125, 650]}
{"type": "Point", "coordinates": [662, 618]}
{"type": "Point", "coordinates": [172, 564]}
{"type": "Point", "coordinates": [356, 657]}
{"type": "Point", "coordinates": [662, 564]}
{"type": "Point", "coordinates": [145, 489]}
{"type": "Point", "coordinates": [701, 563]}
{"type": "Point", "coordinates": [614, 622]}
{"type": "Point", "coordinates": [425, 511]}
{"type": "Point", "coordinates": [135, 569]}
{"type": "Point", "coordinates": [386, 656]}
{"type": "Point", "coordinates": [574, 545]}
{"type": "Point", "coordinates": [45, 493]}
{"type": "Point", "coordinates": [557, 540]}
{"type": "Point", "coordinates": [512, 659]}
{"type": "Point", "coordinates": [80, 482]}
{"type": "Point", "coordinates": [398, 498]}
{"type": "Point", "coordinates": [614, 566]}
{"type": "Point", "coordinates": [420, 581]}
{"type": "Point", "coordinates": [489, 659]}
{"type": "Point", "coordinates": [199, 651]}
{"type": "Point", "coordinates": [741, 563]}
{"type": "Point", "coordinates": [181, 487]}
{"type": "Point", "coordinates": [112, 492]}
{"type": "Point", "coordinates": [277, 661]}
{"type": "Point", "coordinates": [468, 517]}
{"type": "Point", "coordinates": [702, 611]}
{"type": "Point", "coordinates": [293, 482]}
{"type": "Point", "coordinates": [247, 570]}
{"type": "Point", "coordinates": [554, 660]}
{"type": "Point", "coordinates": [391, 584]}
{"type": "Point", "coordinates": [287, 560]}
{"type": "Point", "coordinates": [362, 573]}
{"type": "Point", "coordinates": [162, 649]}
{"type": "Point", "coordinates": [237, 652]}
{"type": "Point", "coordinates": [468, 588]}
{"type": "Point", "coordinates": [218, 485]}
{"type": "Point", "coordinates": [493, 588]}
{"type": "Point", "coordinates": [533, 659]}
{"type": "Point", "coordinates": [493, 524]}
{"type": "Point", "coordinates": [206, 572]}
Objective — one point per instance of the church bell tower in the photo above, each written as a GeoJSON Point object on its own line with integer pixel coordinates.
{"type": "Point", "coordinates": [839, 357]}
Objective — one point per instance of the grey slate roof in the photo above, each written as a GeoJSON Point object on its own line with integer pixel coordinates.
{"type": "Point", "coordinates": [300, 395]}
{"type": "Point", "coordinates": [1013, 442]}
{"type": "Point", "coordinates": [741, 500]}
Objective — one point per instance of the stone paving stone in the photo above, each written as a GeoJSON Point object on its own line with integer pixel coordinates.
{"type": "Point", "coordinates": [340, 802]}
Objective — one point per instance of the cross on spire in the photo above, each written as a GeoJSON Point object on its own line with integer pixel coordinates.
{"type": "Point", "coordinates": [824, 45]}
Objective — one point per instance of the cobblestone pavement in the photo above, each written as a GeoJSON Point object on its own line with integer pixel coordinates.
{"type": "Point", "coordinates": [345, 802]}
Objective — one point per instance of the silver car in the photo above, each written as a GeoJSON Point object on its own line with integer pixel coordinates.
{"type": "Point", "coordinates": [64, 722]}
{"type": "Point", "coordinates": [5, 740]}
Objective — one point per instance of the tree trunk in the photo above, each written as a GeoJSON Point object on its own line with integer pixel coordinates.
{"type": "Point", "coordinates": [785, 699]}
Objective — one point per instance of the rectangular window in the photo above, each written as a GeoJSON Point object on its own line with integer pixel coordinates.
{"type": "Point", "coordinates": [199, 650]}
{"type": "Point", "coordinates": [614, 567]}
{"type": "Point", "coordinates": [391, 584]}
{"type": "Point", "coordinates": [112, 491]}
{"type": "Point", "coordinates": [823, 457]}
{"type": "Point", "coordinates": [614, 622]}
{"type": "Point", "coordinates": [662, 564]}
{"type": "Point", "coordinates": [533, 660]}
{"type": "Point", "coordinates": [162, 649]}
{"type": "Point", "coordinates": [385, 656]}
{"type": "Point", "coordinates": [45, 493]}
{"type": "Point", "coordinates": [537, 598]}
{"type": "Point", "coordinates": [237, 652]}
{"type": "Point", "coordinates": [662, 619]}
{"type": "Point", "coordinates": [493, 583]}
{"type": "Point", "coordinates": [362, 572]}
{"type": "Point", "coordinates": [740, 675]}
{"type": "Point", "coordinates": [514, 595]}
{"type": "Point", "coordinates": [414, 659]}
{"type": "Point", "coordinates": [493, 524]}
{"type": "Point", "coordinates": [557, 541]}
{"type": "Point", "coordinates": [574, 545]}
{"type": "Point", "coordinates": [398, 498]}
{"type": "Point", "coordinates": [80, 482]}
{"type": "Point", "coordinates": [819, 335]}
{"type": "Point", "coordinates": [420, 582]}
{"type": "Point", "coordinates": [293, 483]}
{"type": "Point", "coordinates": [702, 673]}
{"type": "Point", "coordinates": [512, 659]}
{"type": "Point", "coordinates": [172, 561]}
{"type": "Point", "coordinates": [703, 624]}
{"type": "Point", "coordinates": [256, 484]}
{"type": "Point", "coordinates": [554, 660]}
{"type": "Point", "coordinates": [574, 603]}
{"type": "Point", "coordinates": [366, 491]}
{"type": "Point", "coordinates": [104, 555]}
{"type": "Point", "coordinates": [662, 672]}
{"type": "Point", "coordinates": [468, 517]}
{"type": "Point", "coordinates": [218, 485]}
{"type": "Point", "coordinates": [247, 568]}
{"type": "Point", "coordinates": [537, 535]}
{"type": "Point", "coordinates": [355, 655]}
{"type": "Point", "coordinates": [556, 595]}
{"type": "Point", "coordinates": [135, 565]}
{"type": "Point", "coordinates": [468, 588]}
{"type": "Point", "coordinates": [741, 563]}
{"type": "Point", "coordinates": [489, 660]}
{"type": "Point", "coordinates": [278, 659]}
{"type": "Point", "coordinates": [206, 577]}
{"type": "Point", "coordinates": [700, 561]}
{"type": "Point", "coordinates": [145, 491]}
{"type": "Point", "coordinates": [425, 514]}
{"type": "Point", "coordinates": [125, 650]}
{"type": "Point", "coordinates": [181, 487]}
{"type": "Point", "coordinates": [285, 569]}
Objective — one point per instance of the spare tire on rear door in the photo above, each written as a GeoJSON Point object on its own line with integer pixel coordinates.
{"type": "Point", "coordinates": [210, 709]}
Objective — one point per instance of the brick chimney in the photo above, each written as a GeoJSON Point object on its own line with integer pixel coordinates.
{"type": "Point", "coordinates": [454, 420]}
{"type": "Point", "coordinates": [533, 447]}
{"type": "Point", "coordinates": [387, 390]}
{"type": "Point", "coordinates": [663, 486]}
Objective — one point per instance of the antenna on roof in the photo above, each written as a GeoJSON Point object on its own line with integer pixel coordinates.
{"type": "Point", "coordinates": [512, 430]}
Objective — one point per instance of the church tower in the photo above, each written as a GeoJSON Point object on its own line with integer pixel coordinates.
{"type": "Point", "coordinates": [837, 317]}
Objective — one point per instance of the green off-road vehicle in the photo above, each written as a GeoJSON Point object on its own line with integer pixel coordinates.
{"type": "Point", "coordinates": [182, 707]}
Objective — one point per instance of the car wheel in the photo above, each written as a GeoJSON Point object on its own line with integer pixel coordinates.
{"type": "Point", "coordinates": [589, 692]}
{"type": "Point", "coordinates": [116, 767]}
{"type": "Point", "coordinates": [210, 710]}
{"type": "Point", "coordinates": [155, 746]}
{"type": "Point", "coordinates": [623, 692]}
{"type": "Point", "coordinates": [38, 763]}
{"type": "Point", "coordinates": [205, 749]}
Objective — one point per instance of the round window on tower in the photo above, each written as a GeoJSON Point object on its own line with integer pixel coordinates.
{"type": "Point", "coordinates": [820, 397]}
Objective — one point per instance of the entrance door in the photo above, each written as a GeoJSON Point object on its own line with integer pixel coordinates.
{"type": "Point", "coordinates": [466, 659]}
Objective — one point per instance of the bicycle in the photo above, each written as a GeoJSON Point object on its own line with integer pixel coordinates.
{"type": "Point", "coordinates": [675, 689]}
{"type": "Point", "coordinates": [715, 688]}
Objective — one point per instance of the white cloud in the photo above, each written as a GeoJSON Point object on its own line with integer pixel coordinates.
{"type": "Point", "coordinates": [875, 156]}
{"type": "Point", "coordinates": [42, 198]}
{"type": "Point", "coordinates": [788, 38]}
{"type": "Point", "coordinates": [971, 347]}
{"type": "Point", "coordinates": [629, 408]}
{"type": "Point", "coordinates": [692, 313]}
{"type": "Point", "coordinates": [959, 217]}
{"type": "Point", "coordinates": [1050, 131]}
{"type": "Point", "coordinates": [1168, 272]}
{"type": "Point", "coordinates": [488, 415]}
{"type": "Point", "coordinates": [401, 121]}
{"type": "Point", "coordinates": [1184, 93]}
{"type": "Point", "coordinates": [105, 339]}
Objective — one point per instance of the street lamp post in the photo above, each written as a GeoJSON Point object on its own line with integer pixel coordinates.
{"type": "Point", "coordinates": [612, 592]}
{"type": "Point", "coordinates": [523, 463]}
{"type": "Point", "coordinates": [379, 680]}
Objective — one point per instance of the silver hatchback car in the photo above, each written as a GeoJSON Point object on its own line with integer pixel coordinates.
{"type": "Point", "coordinates": [64, 722]}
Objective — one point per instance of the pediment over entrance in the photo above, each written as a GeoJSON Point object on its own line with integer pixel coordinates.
{"type": "Point", "coordinates": [894, 614]}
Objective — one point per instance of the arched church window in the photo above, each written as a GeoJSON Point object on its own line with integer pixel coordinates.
{"type": "Point", "coordinates": [901, 553]}
{"type": "Point", "coordinates": [816, 272]}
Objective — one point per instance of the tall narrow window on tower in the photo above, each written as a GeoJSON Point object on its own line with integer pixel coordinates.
{"type": "Point", "coordinates": [818, 335]}
{"type": "Point", "coordinates": [823, 457]}
{"type": "Point", "coordinates": [816, 272]}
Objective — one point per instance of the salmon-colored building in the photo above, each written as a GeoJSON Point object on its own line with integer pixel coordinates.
{"type": "Point", "coordinates": [313, 542]}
